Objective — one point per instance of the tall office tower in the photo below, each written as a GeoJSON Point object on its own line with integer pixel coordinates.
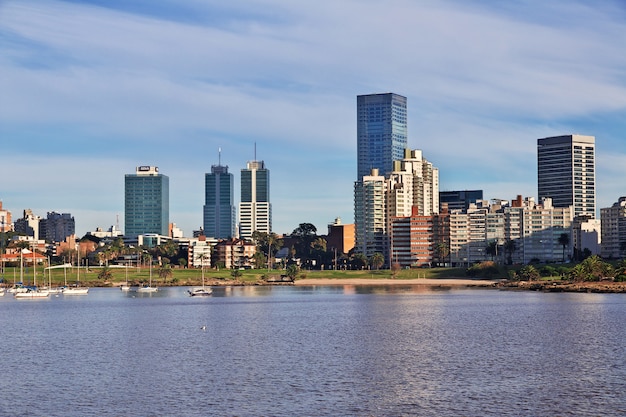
{"type": "Point", "coordinates": [219, 209]}
{"type": "Point", "coordinates": [255, 210]}
{"type": "Point", "coordinates": [381, 132]}
{"type": "Point", "coordinates": [566, 172]}
{"type": "Point", "coordinates": [146, 202]}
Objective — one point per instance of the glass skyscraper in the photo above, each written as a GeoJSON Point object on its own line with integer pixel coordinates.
{"type": "Point", "coordinates": [255, 210]}
{"type": "Point", "coordinates": [566, 172]}
{"type": "Point", "coordinates": [219, 209]}
{"type": "Point", "coordinates": [381, 132]}
{"type": "Point", "coordinates": [146, 202]}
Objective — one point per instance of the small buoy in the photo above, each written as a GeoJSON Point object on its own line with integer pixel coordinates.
{"type": "Point", "coordinates": [203, 327]}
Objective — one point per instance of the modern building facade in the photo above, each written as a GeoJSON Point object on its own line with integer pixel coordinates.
{"type": "Point", "coordinates": [219, 208]}
{"type": "Point", "coordinates": [459, 200]}
{"type": "Point", "coordinates": [381, 132]}
{"type": "Point", "coordinates": [566, 172]}
{"type": "Point", "coordinates": [146, 202]}
{"type": "Point", "coordinates": [255, 210]}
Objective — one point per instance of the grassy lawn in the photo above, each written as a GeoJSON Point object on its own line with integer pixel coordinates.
{"type": "Point", "coordinates": [194, 276]}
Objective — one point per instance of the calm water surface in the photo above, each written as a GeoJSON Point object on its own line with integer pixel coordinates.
{"type": "Point", "coordinates": [323, 351]}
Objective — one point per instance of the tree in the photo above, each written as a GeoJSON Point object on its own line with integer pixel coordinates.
{"type": "Point", "coordinates": [442, 250]}
{"type": "Point", "coordinates": [165, 271]}
{"type": "Point", "coordinates": [492, 249]}
{"type": "Point", "coordinates": [292, 271]}
{"type": "Point", "coordinates": [510, 246]}
{"type": "Point", "coordinates": [267, 243]}
{"type": "Point", "coordinates": [359, 261]}
{"type": "Point", "coordinates": [304, 234]}
{"type": "Point", "coordinates": [563, 241]}
{"type": "Point", "coordinates": [105, 273]}
{"type": "Point", "coordinates": [377, 260]}
{"type": "Point", "coordinates": [529, 273]}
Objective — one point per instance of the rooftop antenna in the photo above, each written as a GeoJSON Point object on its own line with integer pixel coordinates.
{"type": "Point", "coordinates": [255, 151]}
{"type": "Point", "coordinates": [219, 157]}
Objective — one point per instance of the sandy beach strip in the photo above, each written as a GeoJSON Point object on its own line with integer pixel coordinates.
{"type": "Point", "coordinates": [445, 282]}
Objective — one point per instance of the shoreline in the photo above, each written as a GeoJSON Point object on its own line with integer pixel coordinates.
{"type": "Point", "coordinates": [440, 282]}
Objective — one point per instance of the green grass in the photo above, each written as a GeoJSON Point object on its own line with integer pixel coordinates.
{"type": "Point", "coordinates": [194, 276]}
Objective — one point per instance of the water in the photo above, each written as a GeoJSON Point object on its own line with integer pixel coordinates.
{"type": "Point", "coordinates": [323, 351]}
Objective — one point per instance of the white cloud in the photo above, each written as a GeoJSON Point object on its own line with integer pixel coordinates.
{"type": "Point", "coordinates": [484, 82]}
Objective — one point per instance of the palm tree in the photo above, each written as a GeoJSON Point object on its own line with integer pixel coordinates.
{"type": "Point", "coordinates": [510, 246]}
{"type": "Point", "coordinates": [564, 241]}
{"type": "Point", "coordinates": [377, 260]}
{"type": "Point", "coordinates": [492, 249]}
{"type": "Point", "coordinates": [442, 250]}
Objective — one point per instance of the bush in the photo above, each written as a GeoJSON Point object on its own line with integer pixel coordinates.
{"type": "Point", "coordinates": [487, 269]}
{"type": "Point", "coordinates": [548, 271]}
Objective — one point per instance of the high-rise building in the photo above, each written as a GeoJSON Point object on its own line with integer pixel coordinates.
{"type": "Point", "coordinates": [146, 202]}
{"type": "Point", "coordinates": [566, 172]}
{"type": "Point", "coordinates": [613, 229]}
{"type": "Point", "coordinates": [381, 132]}
{"type": "Point", "coordinates": [370, 216]}
{"type": "Point", "coordinates": [255, 210]}
{"type": "Point", "coordinates": [219, 209]}
{"type": "Point", "coordinates": [58, 226]}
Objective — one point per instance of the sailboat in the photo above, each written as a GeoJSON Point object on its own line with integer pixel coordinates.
{"type": "Point", "coordinates": [51, 289]}
{"type": "Point", "coordinates": [200, 291]}
{"type": "Point", "coordinates": [31, 292]}
{"type": "Point", "coordinates": [76, 289]}
{"type": "Point", "coordinates": [125, 287]}
{"type": "Point", "coordinates": [149, 287]}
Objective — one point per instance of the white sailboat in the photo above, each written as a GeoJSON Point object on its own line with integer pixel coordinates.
{"type": "Point", "coordinates": [200, 291]}
{"type": "Point", "coordinates": [125, 287]}
{"type": "Point", "coordinates": [149, 287]}
{"type": "Point", "coordinates": [75, 289]}
{"type": "Point", "coordinates": [30, 292]}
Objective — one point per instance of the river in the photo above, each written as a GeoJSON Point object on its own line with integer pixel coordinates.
{"type": "Point", "coordinates": [315, 351]}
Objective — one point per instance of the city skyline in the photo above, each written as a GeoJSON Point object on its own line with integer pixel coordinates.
{"type": "Point", "coordinates": [92, 89]}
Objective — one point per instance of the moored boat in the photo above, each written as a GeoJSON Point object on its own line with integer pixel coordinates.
{"type": "Point", "coordinates": [75, 290]}
{"type": "Point", "coordinates": [147, 288]}
{"type": "Point", "coordinates": [32, 293]}
{"type": "Point", "coordinates": [200, 291]}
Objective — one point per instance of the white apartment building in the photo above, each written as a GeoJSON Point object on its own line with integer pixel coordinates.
{"type": "Point", "coordinates": [370, 214]}
{"type": "Point", "coordinates": [613, 229]}
{"type": "Point", "coordinates": [535, 229]}
{"type": "Point", "coordinates": [413, 182]}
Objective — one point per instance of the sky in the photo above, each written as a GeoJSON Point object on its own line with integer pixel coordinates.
{"type": "Point", "coordinates": [89, 90]}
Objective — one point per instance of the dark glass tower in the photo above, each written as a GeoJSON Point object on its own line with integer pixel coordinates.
{"type": "Point", "coordinates": [381, 132]}
{"type": "Point", "coordinates": [566, 172]}
{"type": "Point", "coordinates": [219, 209]}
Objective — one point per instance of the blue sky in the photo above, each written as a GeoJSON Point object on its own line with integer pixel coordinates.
{"type": "Point", "coordinates": [91, 89]}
